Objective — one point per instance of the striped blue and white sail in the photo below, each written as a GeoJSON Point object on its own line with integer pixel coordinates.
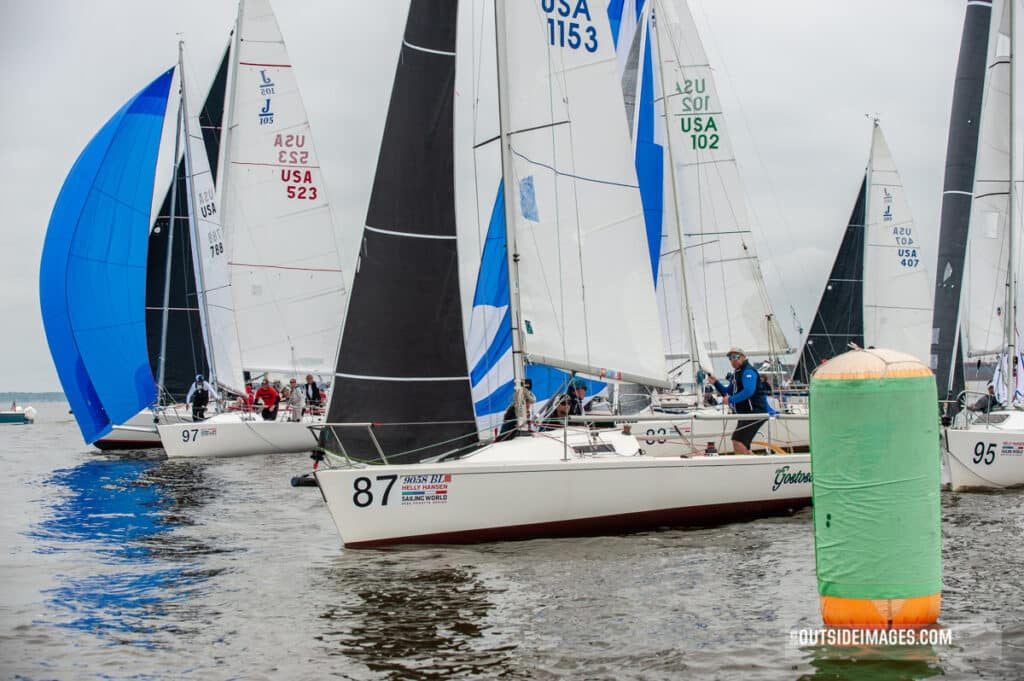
{"type": "Point", "coordinates": [489, 347]}
{"type": "Point", "coordinates": [630, 24]}
{"type": "Point", "coordinates": [92, 277]}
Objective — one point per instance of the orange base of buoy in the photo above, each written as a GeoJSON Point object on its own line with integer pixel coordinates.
{"type": "Point", "coordinates": [882, 613]}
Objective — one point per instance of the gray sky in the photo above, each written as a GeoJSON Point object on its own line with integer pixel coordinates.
{"type": "Point", "coordinates": [796, 78]}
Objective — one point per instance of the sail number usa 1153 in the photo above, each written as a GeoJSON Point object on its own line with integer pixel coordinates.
{"type": "Point", "coordinates": [569, 24]}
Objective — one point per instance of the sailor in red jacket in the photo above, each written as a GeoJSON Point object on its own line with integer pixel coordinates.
{"type": "Point", "coordinates": [268, 396]}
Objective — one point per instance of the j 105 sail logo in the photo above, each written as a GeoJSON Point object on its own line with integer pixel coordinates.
{"type": "Point", "coordinates": [266, 84]}
{"type": "Point", "coordinates": [266, 115]}
{"type": "Point", "coordinates": [570, 24]}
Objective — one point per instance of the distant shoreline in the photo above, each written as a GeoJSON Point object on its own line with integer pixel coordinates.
{"type": "Point", "coordinates": [30, 397]}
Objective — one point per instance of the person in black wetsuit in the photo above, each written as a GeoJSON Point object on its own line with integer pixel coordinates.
{"type": "Point", "coordinates": [199, 397]}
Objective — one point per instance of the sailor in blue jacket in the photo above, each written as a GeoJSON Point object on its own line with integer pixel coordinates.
{"type": "Point", "coordinates": [746, 395]}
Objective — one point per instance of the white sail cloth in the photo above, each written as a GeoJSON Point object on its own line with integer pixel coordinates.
{"type": "Point", "coordinates": [983, 296]}
{"type": "Point", "coordinates": [897, 282]}
{"type": "Point", "coordinates": [210, 258]}
{"type": "Point", "coordinates": [586, 290]}
{"type": "Point", "coordinates": [283, 249]}
{"type": "Point", "coordinates": [727, 292]}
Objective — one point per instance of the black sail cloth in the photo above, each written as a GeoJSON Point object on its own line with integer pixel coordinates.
{"type": "Point", "coordinates": [839, 319]}
{"type": "Point", "coordinates": [402, 360]}
{"type": "Point", "coordinates": [957, 195]}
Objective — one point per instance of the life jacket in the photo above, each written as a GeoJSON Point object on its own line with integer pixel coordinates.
{"type": "Point", "coordinates": [201, 397]}
{"type": "Point", "coordinates": [758, 402]}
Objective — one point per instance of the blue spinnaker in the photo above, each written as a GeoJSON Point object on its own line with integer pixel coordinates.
{"type": "Point", "coordinates": [92, 277]}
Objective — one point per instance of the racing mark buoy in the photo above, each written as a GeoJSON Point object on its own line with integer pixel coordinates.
{"type": "Point", "coordinates": [875, 468]}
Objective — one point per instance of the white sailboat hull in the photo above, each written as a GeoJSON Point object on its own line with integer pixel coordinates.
{"type": "Point", "coordinates": [141, 430]}
{"type": "Point", "coordinates": [986, 455]}
{"type": "Point", "coordinates": [228, 435]}
{"type": "Point", "coordinates": [525, 489]}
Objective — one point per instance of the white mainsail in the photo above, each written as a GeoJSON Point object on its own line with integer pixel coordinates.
{"type": "Point", "coordinates": [283, 253]}
{"type": "Point", "coordinates": [897, 283]}
{"type": "Point", "coordinates": [209, 257]}
{"type": "Point", "coordinates": [983, 297]}
{"type": "Point", "coordinates": [575, 199]}
{"type": "Point", "coordinates": [727, 292]}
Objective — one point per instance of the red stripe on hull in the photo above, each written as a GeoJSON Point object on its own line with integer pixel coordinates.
{"type": "Point", "coordinates": [688, 516]}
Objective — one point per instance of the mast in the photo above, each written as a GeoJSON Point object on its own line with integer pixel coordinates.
{"type": "Point", "coordinates": [507, 170]}
{"type": "Point", "coordinates": [1011, 273]}
{"type": "Point", "coordinates": [193, 222]}
{"type": "Point", "coordinates": [162, 362]}
{"type": "Point", "coordinates": [688, 309]}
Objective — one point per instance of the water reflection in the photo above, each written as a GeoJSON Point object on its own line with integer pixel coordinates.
{"type": "Point", "coordinates": [126, 568]}
{"type": "Point", "coordinates": [412, 616]}
{"type": "Point", "coordinates": [867, 663]}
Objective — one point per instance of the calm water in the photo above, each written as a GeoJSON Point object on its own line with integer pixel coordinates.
{"type": "Point", "coordinates": [148, 569]}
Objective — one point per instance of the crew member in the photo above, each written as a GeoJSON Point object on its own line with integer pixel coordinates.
{"type": "Point", "coordinates": [268, 396]}
{"type": "Point", "coordinates": [199, 397]}
{"type": "Point", "coordinates": [510, 421]}
{"type": "Point", "coordinates": [746, 396]}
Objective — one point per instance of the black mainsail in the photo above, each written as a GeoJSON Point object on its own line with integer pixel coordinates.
{"type": "Point", "coordinates": [839, 318]}
{"type": "Point", "coordinates": [402, 360]}
{"type": "Point", "coordinates": [957, 195]}
{"type": "Point", "coordinates": [186, 352]}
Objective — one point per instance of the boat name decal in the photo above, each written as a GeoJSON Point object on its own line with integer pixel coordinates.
{"type": "Point", "coordinates": [784, 477]}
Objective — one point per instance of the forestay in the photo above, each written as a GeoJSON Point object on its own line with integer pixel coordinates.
{"type": "Point", "coordinates": [897, 284]}
{"type": "Point", "coordinates": [726, 287]}
{"type": "Point", "coordinates": [281, 242]}
{"type": "Point", "coordinates": [585, 284]}
{"type": "Point", "coordinates": [92, 277]}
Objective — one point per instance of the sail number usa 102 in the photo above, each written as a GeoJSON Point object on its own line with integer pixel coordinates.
{"type": "Point", "coordinates": [695, 120]}
{"type": "Point", "coordinates": [570, 25]}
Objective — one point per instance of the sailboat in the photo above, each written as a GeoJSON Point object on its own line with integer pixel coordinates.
{"type": "Point", "coordinates": [981, 214]}
{"type": "Point", "coordinates": [574, 209]}
{"type": "Point", "coordinates": [280, 295]}
{"type": "Point", "coordinates": [878, 291]}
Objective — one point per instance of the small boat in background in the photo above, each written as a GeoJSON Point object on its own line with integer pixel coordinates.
{"type": "Point", "coordinates": [17, 415]}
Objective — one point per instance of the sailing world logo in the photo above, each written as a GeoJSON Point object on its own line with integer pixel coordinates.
{"type": "Point", "coordinates": [266, 115]}
{"type": "Point", "coordinates": [266, 84]}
